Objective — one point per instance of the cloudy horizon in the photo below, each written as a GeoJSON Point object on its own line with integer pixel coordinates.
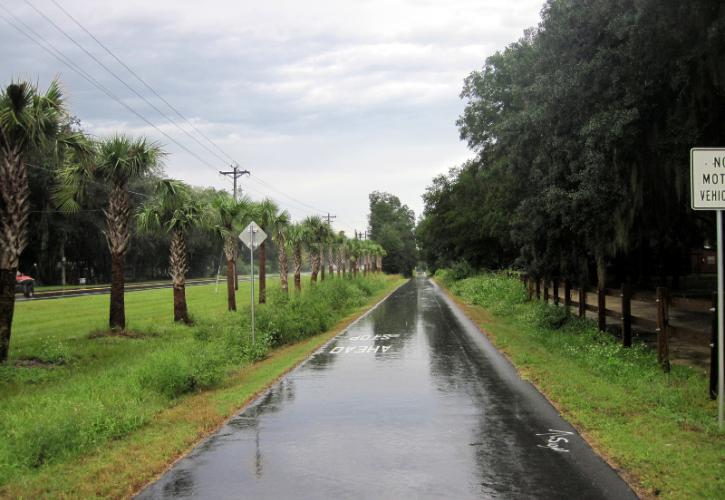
{"type": "Point", "coordinates": [325, 103]}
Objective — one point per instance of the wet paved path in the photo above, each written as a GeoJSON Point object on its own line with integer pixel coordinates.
{"type": "Point", "coordinates": [410, 402]}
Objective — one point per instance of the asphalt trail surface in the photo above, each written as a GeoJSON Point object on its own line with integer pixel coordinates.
{"type": "Point", "coordinates": [411, 401]}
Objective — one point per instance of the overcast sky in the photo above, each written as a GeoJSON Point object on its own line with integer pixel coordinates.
{"type": "Point", "coordinates": [325, 101]}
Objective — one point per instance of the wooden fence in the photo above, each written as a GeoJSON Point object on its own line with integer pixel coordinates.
{"type": "Point", "coordinates": [660, 324]}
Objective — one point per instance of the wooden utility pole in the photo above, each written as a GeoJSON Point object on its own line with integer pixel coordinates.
{"type": "Point", "coordinates": [235, 174]}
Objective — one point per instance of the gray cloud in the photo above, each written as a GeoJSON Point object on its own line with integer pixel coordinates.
{"type": "Point", "coordinates": [326, 101]}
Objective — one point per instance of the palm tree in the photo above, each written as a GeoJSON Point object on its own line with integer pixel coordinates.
{"type": "Point", "coordinates": [315, 229]}
{"type": "Point", "coordinates": [176, 211]}
{"type": "Point", "coordinates": [229, 214]}
{"type": "Point", "coordinates": [265, 212]}
{"type": "Point", "coordinates": [29, 120]}
{"type": "Point", "coordinates": [353, 253]}
{"type": "Point", "coordinates": [119, 160]}
{"type": "Point", "coordinates": [378, 253]}
{"type": "Point", "coordinates": [332, 242]}
{"type": "Point", "coordinates": [340, 253]}
{"type": "Point", "coordinates": [278, 227]}
{"type": "Point", "coordinates": [296, 238]}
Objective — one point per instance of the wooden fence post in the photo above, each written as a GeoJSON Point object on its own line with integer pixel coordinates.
{"type": "Point", "coordinates": [663, 348]}
{"type": "Point", "coordinates": [582, 302]}
{"type": "Point", "coordinates": [713, 349]}
{"type": "Point", "coordinates": [556, 291]}
{"type": "Point", "coordinates": [626, 315]}
{"type": "Point", "coordinates": [538, 289]}
{"type": "Point", "coordinates": [601, 310]}
{"type": "Point", "coordinates": [567, 296]}
{"type": "Point", "coordinates": [546, 291]}
{"type": "Point", "coordinates": [529, 288]}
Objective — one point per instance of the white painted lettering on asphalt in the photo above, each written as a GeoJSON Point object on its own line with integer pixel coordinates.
{"type": "Point", "coordinates": [555, 440]}
{"type": "Point", "coordinates": [386, 336]}
{"type": "Point", "coordinates": [360, 349]}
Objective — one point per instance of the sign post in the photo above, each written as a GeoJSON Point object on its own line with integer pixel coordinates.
{"type": "Point", "coordinates": [252, 236]}
{"type": "Point", "coordinates": [707, 192]}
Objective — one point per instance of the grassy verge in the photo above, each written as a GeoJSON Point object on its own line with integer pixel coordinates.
{"type": "Point", "coordinates": [661, 429]}
{"type": "Point", "coordinates": [92, 415]}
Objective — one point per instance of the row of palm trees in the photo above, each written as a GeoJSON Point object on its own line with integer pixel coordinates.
{"type": "Point", "coordinates": [32, 122]}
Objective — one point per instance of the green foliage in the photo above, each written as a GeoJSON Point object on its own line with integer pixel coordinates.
{"type": "Point", "coordinates": [580, 167]}
{"type": "Point", "coordinates": [392, 226]}
{"type": "Point", "coordinates": [551, 317]}
{"type": "Point", "coordinates": [54, 351]}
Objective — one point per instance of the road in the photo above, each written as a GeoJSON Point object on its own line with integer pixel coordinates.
{"type": "Point", "coordinates": [411, 401]}
{"type": "Point", "coordinates": [102, 290]}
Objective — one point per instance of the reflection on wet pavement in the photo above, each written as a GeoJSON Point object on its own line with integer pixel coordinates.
{"type": "Point", "coordinates": [410, 401]}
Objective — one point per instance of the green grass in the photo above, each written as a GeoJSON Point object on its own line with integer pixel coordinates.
{"type": "Point", "coordinates": [70, 389]}
{"type": "Point", "coordinates": [661, 428]}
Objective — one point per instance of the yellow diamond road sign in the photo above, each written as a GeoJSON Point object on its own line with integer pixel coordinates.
{"type": "Point", "coordinates": [252, 236]}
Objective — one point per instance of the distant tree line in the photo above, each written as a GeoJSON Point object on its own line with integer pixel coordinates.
{"type": "Point", "coordinates": [582, 131]}
{"type": "Point", "coordinates": [392, 225]}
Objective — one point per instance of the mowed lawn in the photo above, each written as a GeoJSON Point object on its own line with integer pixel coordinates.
{"type": "Point", "coordinates": [55, 339]}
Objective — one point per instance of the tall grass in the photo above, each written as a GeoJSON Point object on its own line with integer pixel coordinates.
{"type": "Point", "coordinates": [82, 390]}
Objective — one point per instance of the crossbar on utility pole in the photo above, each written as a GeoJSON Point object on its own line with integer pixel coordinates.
{"type": "Point", "coordinates": [235, 174]}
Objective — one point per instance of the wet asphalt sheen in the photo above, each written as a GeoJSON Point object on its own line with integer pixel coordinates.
{"type": "Point", "coordinates": [411, 401]}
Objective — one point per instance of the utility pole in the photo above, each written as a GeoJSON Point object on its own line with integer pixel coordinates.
{"type": "Point", "coordinates": [330, 218]}
{"type": "Point", "coordinates": [235, 174]}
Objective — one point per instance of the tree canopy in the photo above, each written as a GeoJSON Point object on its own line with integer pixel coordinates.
{"type": "Point", "coordinates": [581, 132]}
{"type": "Point", "coordinates": [392, 226]}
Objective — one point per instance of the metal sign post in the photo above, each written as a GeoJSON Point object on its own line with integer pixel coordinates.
{"type": "Point", "coordinates": [251, 272]}
{"type": "Point", "coordinates": [707, 192]}
{"type": "Point", "coordinates": [252, 237]}
{"type": "Point", "coordinates": [720, 315]}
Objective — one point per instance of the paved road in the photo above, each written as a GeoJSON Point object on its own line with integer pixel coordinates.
{"type": "Point", "coordinates": [410, 402]}
{"type": "Point", "coordinates": [104, 290]}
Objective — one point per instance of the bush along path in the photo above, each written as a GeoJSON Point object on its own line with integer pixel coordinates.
{"type": "Point", "coordinates": [98, 415]}
{"type": "Point", "coordinates": [657, 427]}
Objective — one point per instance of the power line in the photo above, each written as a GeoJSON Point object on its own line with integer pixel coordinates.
{"type": "Point", "coordinates": [269, 186]}
{"type": "Point", "coordinates": [143, 82]}
{"type": "Point", "coordinates": [66, 60]}
{"type": "Point", "coordinates": [123, 82]}
{"type": "Point", "coordinates": [76, 68]}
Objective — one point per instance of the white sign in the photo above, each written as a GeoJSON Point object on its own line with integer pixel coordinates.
{"type": "Point", "coordinates": [707, 178]}
{"type": "Point", "coordinates": [252, 236]}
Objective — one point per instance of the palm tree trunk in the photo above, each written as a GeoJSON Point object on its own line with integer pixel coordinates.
{"type": "Point", "coordinates": [330, 265]}
{"type": "Point", "coordinates": [298, 268]}
{"type": "Point", "coordinates": [178, 264]}
{"type": "Point", "coordinates": [7, 307]}
{"type": "Point", "coordinates": [282, 261]}
{"type": "Point", "coordinates": [14, 212]}
{"type": "Point", "coordinates": [322, 263]}
{"type": "Point", "coordinates": [117, 314]}
{"type": "Point", "coordinates": [231, 297]}
{"type": "Point", "coordinates": [263, 272]}
{"type": "Point", "coordinates": [315, 261]}
{"type": "Point", "coordinates": [230, 253]}
{"type": "Point", "coordinates": [118, 236]}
